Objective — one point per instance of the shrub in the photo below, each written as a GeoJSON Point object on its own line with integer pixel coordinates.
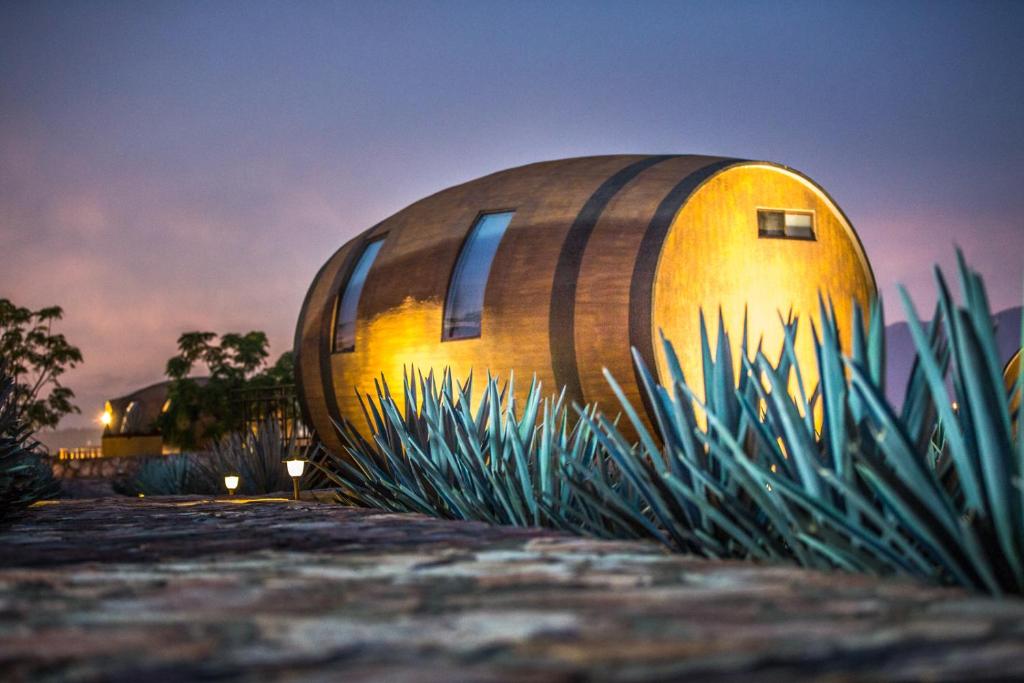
{"type": "Point", "coordinates": [830, 478]}
{"type": "Point", "coordinates": [257, 457]}
{"type": "Point", "coordinates": [168, 475]}
{"type": "Point", "coordinates": [35, 358]}
{"type": "Point", "coordinates": [445, 455]}
{"type": "Point", "coordinates": [25, 475]}
{"type": "Point", "coordinates": [932, 490]}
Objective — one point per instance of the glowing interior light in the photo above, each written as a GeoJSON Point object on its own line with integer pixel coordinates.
{"type": "Point", "coordinates": [106, 418]}
{"type": "Point", "coordinates": [787, 224]}
{"type": "Point", "coordinates": [231, 483]}
{"type": "Point", "coordinates": [799, 225]}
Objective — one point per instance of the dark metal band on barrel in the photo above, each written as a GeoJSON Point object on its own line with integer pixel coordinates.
{"type": "Point", "coordinates": [562, 321]}
{"type": "Point", "coordinates": [297, 347]}
{"type": "Point", "coordinates": [326, 335]}
{"type": "Point", "coordinates": [641, 288]}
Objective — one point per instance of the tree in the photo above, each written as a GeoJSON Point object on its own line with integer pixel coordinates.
{"type": "Point", "coordinates": [35, 357]}
{"type": "Point", "coordinates": [233, 358]}
{"type": "Point", "coordinates": [282, 372]}
{"type": "Point", "coordinates": [199, 411]}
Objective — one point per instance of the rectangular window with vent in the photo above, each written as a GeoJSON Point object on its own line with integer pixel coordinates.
{"type": "Point", "coordinates": [794, 225]}
{"type": "Point", "coordinates": [464, 305]}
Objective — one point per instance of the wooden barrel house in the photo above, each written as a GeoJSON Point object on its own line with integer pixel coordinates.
{"type": "Point", "coordinates": [556, 269]}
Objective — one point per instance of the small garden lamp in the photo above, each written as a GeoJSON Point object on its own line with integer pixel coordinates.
{"type": "Point", "coordinates": [231, 483]}
{"type": "Point", "coordinates": [295, 468]}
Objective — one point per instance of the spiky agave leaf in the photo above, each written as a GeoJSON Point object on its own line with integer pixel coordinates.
{"type": "Point", "coordinates": [167, 475]}
{"type": "Point", "coordinates": [927, 490]}
{"type": "Point", "coordinates": [761, 466]}
{"type": "Point", "coordinates": [25, 476]}
{"type": "Point", "coordinates": [444, 454]}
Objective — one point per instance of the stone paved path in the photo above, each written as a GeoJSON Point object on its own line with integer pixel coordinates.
{"type": "Point", "coordinates": [184, 589]}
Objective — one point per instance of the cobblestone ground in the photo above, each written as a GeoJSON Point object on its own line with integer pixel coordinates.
{"type": "Point", "coordinates": [183, 589]}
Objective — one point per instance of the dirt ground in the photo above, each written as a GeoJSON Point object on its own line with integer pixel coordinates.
{"type": "Point", "coordinates": [120, 589]}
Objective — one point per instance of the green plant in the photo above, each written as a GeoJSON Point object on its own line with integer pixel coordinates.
{"type": "Point", "coordinates": [35, 358]}
{"type": "Point", "coordinates": [763, 468]}
{"type": "Point", "coordinates": [25, 475]}
{"type": "Point", "coordinates": [446, 455]}
{"type": "Point", "coordinates": [257, 457]}
{"type": "Point", "coordinates": [164, 475]}
{"type": "Point", "coordinates": [931, 491]}
{"type": "Point", "coordinates": [202, 412]}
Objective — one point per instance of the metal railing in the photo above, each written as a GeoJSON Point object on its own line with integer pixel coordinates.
{"type": "Point", "coordinates": [278, 403]}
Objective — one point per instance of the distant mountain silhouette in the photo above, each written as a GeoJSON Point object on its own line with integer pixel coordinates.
{"type": "Point", "coordinates": [900, 347]}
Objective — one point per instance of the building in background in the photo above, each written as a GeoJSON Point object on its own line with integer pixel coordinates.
{"type": "Point", "coordinates": [130, 423]}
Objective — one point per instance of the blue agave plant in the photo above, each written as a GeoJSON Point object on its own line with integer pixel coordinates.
{"type": "Point", "coordinates": [763, 467]}
{"type": "Point", "coordinates": [495, 460]}
{"type": "Point", "coordinates": [932, 490]}
{"type": "Point", "coordinates": [25, 475]}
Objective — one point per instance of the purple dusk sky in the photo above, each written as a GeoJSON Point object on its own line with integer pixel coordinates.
{"type": "Point", "coordinates": [175, 166]}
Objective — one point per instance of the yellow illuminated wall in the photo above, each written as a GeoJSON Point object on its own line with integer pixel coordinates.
{"type": "Point", "coordinates": [124, 446]}
{"type": "Point", "coordinates": [714, 259]}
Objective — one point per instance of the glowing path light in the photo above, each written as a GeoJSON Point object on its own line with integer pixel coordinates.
{"type": "Point", "coordinates": [295, 468]}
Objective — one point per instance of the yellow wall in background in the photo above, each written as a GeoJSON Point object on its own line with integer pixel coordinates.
{"type": "Point", "coordinates": [121, 446]}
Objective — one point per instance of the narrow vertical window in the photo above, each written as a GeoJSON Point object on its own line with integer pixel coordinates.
{"type": "Point", "coordinates": [464, 306]}
{"type": "Point", "coordinates": [794, 225]}
{"type": "Point", "coordinates": [128, 420]}
{"type": "Point", "coordinates": [348, 302]}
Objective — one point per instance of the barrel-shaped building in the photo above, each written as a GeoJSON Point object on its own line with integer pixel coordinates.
{"type": "Point", "coordinates": [556, 269]}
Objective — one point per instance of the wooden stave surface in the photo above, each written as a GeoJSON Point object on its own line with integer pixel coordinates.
{"type": "Point", "coordinates": [423, 257]}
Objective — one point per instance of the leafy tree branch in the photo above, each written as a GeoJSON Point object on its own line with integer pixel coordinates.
{"type": "Point", "coordinates": [36, 357]}
{"type": "Point", "coordinates": [203, 410]}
